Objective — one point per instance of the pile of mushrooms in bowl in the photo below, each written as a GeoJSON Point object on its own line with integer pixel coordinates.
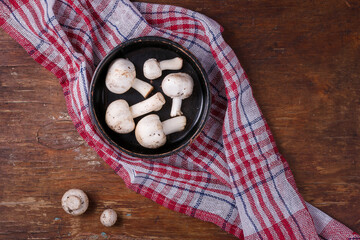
{"type": "Point", "coordinates": [149, 97]}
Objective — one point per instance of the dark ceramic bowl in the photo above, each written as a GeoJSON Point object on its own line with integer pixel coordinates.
{"type": "Point", "coordinates": [195, 108]}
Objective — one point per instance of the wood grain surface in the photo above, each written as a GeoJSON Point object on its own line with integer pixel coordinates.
{"type": "Point", "coordinates": [303, 62]}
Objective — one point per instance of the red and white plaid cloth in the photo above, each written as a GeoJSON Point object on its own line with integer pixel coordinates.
{"type": "Point", "coordinates": [232, 175]}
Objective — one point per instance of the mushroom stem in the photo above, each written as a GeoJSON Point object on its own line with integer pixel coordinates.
{"type": "Point", "coordinates": [73, 202]}
{"type": "Point", "coordinates": [142, 87]}
{"type": "Point", "coordinates": [171, 64]}
{"type": "Point", "coordinates": [173, 125]}
{"type": "Point", "coordinates": [176, 106]}
{"type": "Point", "coordinates": [154, 103]}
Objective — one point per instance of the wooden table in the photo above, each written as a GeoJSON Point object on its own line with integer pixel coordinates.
{"type": "Point", "coordinates": [302, 59]}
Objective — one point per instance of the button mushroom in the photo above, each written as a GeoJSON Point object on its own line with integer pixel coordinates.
{"type": "Point", "coordinates": [178, 86]}
{"type": "Point", "coordinates": [153, 69]}
{"type": "Point", "coordinates": [119, 116]}
{"type": "Point", "coordinates": [108, 217]}
{"type": "Point", "coordinates": [75, 202]}
{"type": "Point", "coordinates": [150, 132]}
{"type": "Point", "coordinates": [121, 76]}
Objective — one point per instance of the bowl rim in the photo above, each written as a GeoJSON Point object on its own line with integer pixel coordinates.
{"type": "Point", "coordinates": [203, 117]}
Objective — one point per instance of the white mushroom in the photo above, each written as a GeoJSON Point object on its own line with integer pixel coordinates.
{"type": "Point", "coordinates": [178, 86]}
{"type": "Point", "coordinates": [150, 132]}
{"type": "Point", "coordinates": [119, 116]}
{"type": "Point", "coordinates": [108, 217]}
{"type": "Point", "coordinates": [75, 202]}
{"type": "Point", "coordinates": [153, 69]}
{"type": "Point", "coordinates": [121, 76]}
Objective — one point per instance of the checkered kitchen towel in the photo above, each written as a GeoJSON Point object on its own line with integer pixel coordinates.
{"type": "Point", "coordinates": [233, 174]}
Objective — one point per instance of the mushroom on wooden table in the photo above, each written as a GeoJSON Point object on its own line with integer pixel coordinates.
{"type": "Point", "coordinates": [108, 217]}
{"type": "Point", "coordinates": [150, 132]}
{"type": "Point", "coordinates": [121, 76]}
{"type": "Point", "coordinates": [120, 117]}
{"type": "Point", "coordinates": [152, 68]}
{"type": "Point", "coordinates": [75, 202]}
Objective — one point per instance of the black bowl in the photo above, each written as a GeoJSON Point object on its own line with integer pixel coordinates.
{"type": "Point", "coordinates": [195, 108]}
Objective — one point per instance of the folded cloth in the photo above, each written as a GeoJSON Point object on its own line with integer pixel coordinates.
{"type": "Point", "coordinates": [232, 174]}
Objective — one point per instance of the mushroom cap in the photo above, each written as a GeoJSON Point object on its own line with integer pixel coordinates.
{"type": "Point", "coordinates": [149, 132]}
{"type": "Point", "coordinates": [108, 217]}
{"type": "Point", "coordinates": [178, 85]}
{"type": "Point", "coordinates": [120, 76]}
{"type": "Point", "coordinates": [152, 69]}
{"type": "Point", "coordinates": [75, 202]}
{"type": "Point", "coordinates": [119, 117]}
